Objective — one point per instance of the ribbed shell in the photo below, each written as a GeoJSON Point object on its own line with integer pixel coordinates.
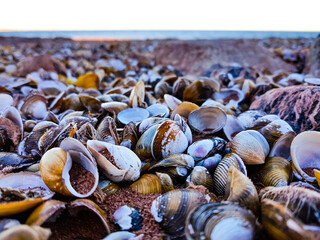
{"type": "Point", "coordinates": [148, 183]}
{"type": "Point", "coordinates": [220, 175]}
{"type": "Point", "coordinates": [276, 172]}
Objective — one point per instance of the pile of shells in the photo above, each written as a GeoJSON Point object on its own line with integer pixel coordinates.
{"type": "Point", "coordinates": [112, 125]}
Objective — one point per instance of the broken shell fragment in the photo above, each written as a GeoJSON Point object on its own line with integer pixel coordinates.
{"type": "Point", "coordinates": [118, 163]}
{"type": "Point", "coordinates": [22, 191]}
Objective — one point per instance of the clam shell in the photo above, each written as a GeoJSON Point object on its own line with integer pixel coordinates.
{"type": "Point", "coordinates": [108, 130]}
{"type": "Point", "coordinates": [170, 209]}
{"type": "Point", "coordinates": [275, 129]}
{"type": "Point", "coordinates": [220, 221]}
{"type": "Point", "coordinates": [184, 109]}
{"type": "Point", "coordinates": [201, 176]}
{"type": "Point", "coordinates": [108, 187]}
{"type": "Point", "coordinates": [207, 120]}
{"type": "Point", "coordinates": [251, 146]}
{"type": "Point", "coordinates": [168, 140]}
{"type": "Point", "coordinates": [23, 182]}
{"type": "Point", "coordinates": [305, 153]}
{"type": "Point", "coordinates": [132, 115]}
{"type": "Point", "coordinates": [35, 106]}
{"type": "Point", "coordinates": [159, 110]}
{"type": "Point", "coordinates": [171, 101]}
{"type": "Point", "coordinates": [281, 147]}
{"type": "Point", "coordinates": [137, 94]}
{"type": "Point", "coordinates": [276, 172]}
{"type": "Point", "coordinates": [25, 232]}
{"type": "Point", "coordinates": [240, 189]}
{"type": "Point", "coordinates": [280, 223]}
{"type": "Point", "coordinates": [221, 173]}
{"type": "Point", "coordinates": [128, 164]}
{"type": "Point", "coordinates": [232, 127]}
{"type": "Point", "coordinates": [148, 183]}
{"type": "Point", "coordinates": [302, 202]}
{"type": "Point", "coordinates": [5, 101]}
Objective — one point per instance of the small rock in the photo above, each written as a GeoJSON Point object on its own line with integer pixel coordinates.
{"type": "Point", "coordinates": [34, 63]}
{"type": "Point", "coordinates": [298, 105]}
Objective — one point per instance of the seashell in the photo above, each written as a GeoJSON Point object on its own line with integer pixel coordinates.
{"type": "Point", "coordinates": [120, 235]}
{"type": "Point", "coordinates": [220, 175]}
{"type": "Point", "coordinates": [149, 122]}
{"type": "Point", "coordinates": [280, 223]}
{"type": "Point", "coordinates": [251, 146]}
{"type": "Point", "coordinates": [129, 136]}
{"type": "Point", "coordinates": [57, 164]}
{"type": "Point", "coordinates": [78, 120]}
{"type": "Point", "coordinates": [51, 212]}
{"type": "Point", "coordinates": [10, 135]}
{"type": "Point", "coordinates": [232, 127]}
{"type": "Point", "coordinates": [201, 176]}
{"type": "Point", "coordinates": [316, 173]}
{"type": "Point", "coordinates": [29, 145]}
{"type": "Point", "coordinates": [176, 165]}
{"type": "Point", "coordinates": [162, 88]}
{"type": "Point", "coordinates": [5, 101]}
{"type": "Point", "coordinates": [25, 232]}
{"type": "Point", "coordinates": [114, 107]}
{"type": "Point", "coordinates": [29, 125]}
{"type": "Point", "coordinates": [248, 118]}
{"type": "Point", "coordinates": [108, 130]}
{"type": "Point", "coordinates": [89, 80]}
{"type": "Point", "coordinates": [212, 103]}
{"type": "Point", "coordinates": [171, 101]}
{"type": "Point", "coordinates": [304, 154]}
{"type": "Point", "coordinates": [51, 87]}
{"type": "Point", "coordinates": [206, 147]}
{"type": "Point", "coordinates": [184, 109]}
{"type": "Point", "coordinates": [240, 189]}
{"type": "Point", "coordinates": [35, 106]}
{"type": "Point", "coordinates": [210, 163]}
{"type": "Point", "coordinates": [72, 101]}
{"type": "Point", "coordinates": [302, 202]}
{"type": "Point", "coordinates": [86, 132]}
{"type": "Point", "coordinates": [200, 90]}
{"type": "Point", "coordinates": [275, 129]}
{"type": "Point", "coordinates": [248, 87]}
{"type": "Point", "coordinates": [166, 182]}
{"type": "Point", "coordinates": [21, 191]}
{"type": "Point", "coordinates": [184, 127]}
{"type": "Point", "coordinates": [137, 95]}
{"type": "Point", "coordinates": [281, 148]}
{"type": "Point", "coordinates": [128, 218]}
{"type": "Point", "coordinates": [207, 120]}
{"type": "Point", "coordinates": [90, 103]}
{"type": "Point", "coordinates": [118, 163]}
{"type": "Point", "coordinates": [275, 172]}
{"type": "Point", "coordinates": [158, 110]}
{"type": "Point", "coordinates": [179, 86]}
{"type": "Point", "coordinates": [53, 137]}
{"type": "Point", "coordinates": [230, 97]}
{"type": "Point", "coordinates": [14, 161]}
{"type": "Point", "coordinates": [50, 116]}
{"type": "Point", "coordinates": [13, 114]}
{"type": "Point", "coordinates": [220, 221]}
{"type": "Point", "coordinates": [147, 183]}
{"type": "Point", "coordinates": [108, 187]}
{"type": "Point", "coordinates": [162, 141]}
{"type": "Point", "coordinates": [170, 209]}
{"type": "Point", "coordinates": [132, 115]}
{"type": "Point", "coordinates": [8, 223]}
{"type": "Point", "coordinates": [150, 99]}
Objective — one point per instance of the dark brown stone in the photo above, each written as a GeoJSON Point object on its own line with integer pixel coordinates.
{"type": "Point", "coordinates": [298, 105]}
{"type": "Point", "coordinates": [34, 63]}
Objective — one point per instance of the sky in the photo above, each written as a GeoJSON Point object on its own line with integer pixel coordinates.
{"type": "Point", "coordinates": [270, 15]}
